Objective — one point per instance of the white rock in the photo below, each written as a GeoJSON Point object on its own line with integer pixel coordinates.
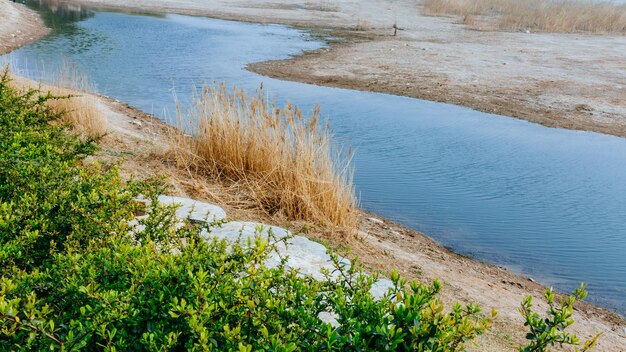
{"type": "Point", "coordinates": [304, 255]}
{"type": "Point", "coordinates": [380, 288]}
{"type": "Point", "coordinates": [330, 318]}
{"type": "Point", "coordinates": [142, 198]}
{"type": "Point", "coordinates": [242, 230]}
{"type": "Point", "coordinates": [194, 210]}
{"type": "Point", "coordinates": [135, 226]}
{"type": "Point", "coordinates": [375, 220]}
{"type": "Point", "coordinates": [310, 257]}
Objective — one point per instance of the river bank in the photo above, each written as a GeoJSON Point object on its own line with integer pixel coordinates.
{"type": "Point", "coordinates": [572, 81]}
{"type": "Point", "coordinates": [136, 141]}
{"type": "Point", "coordinates": [18, 26]}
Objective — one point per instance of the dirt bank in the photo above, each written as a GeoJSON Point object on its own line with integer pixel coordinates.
{"type": "Point", "coordinates": [136, 140]}
{"type": "Point", "coordinates": [18, 26]}
{"type": "Point", "coordinates": [573, 81]}
{"type": "Point", "coordinates": [139, 143]}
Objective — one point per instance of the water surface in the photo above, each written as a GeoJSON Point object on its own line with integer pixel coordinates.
{"type": "Point", "coordinates": [547, 203]}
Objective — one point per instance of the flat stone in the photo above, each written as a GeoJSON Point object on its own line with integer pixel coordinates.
{"type": "Point", "coordinates": [194, 210]}
{"type": "Point", "coordinates": [308, 257]}
{"type": "Point", "coordinates": [304, 255]}
{"type": "Point", "coordinates": [135, 226]}
{"type": "Point", "coordinates": [243, 230]}
{"type": "Point", "coordinates": [380, 288]}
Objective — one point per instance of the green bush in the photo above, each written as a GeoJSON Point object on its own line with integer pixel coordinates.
{"type": "Point", "coordinates": [548, 332]}
{"type": "Point", "coordinates": [76, 275]}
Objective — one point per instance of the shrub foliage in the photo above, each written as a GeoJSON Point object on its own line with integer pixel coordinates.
{"type": "Point", "coordinates": [77, 275]}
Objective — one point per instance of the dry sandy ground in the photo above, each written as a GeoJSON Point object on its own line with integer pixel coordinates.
{"type": "Point", "coordinates": [18, 26]}
{"type": "Point", "coordinates": [574, 81]}
{"type": "Point", "coordinates": [139, 142]}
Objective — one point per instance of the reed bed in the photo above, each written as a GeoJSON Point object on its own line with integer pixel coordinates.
{"type": "Point", "coordinates": [285, 161]}
{"type": "Point", "coordinates": [558, 16]}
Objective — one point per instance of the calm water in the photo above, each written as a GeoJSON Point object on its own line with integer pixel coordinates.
{"type": "Point", "coordinates": [545, 202]}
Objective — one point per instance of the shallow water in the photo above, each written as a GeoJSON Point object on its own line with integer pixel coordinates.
{"type": "Point", "coordinates": [547, 203]}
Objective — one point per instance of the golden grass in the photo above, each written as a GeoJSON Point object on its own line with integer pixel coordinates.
{"type": "Point", "coordinates": [558, 16]}
{"type": "Point", "coordinates": [81, 112]}
{"type": "Point", "coordinates": [285, 161]}
{"type": "Point", "coordinates": [80, 108]}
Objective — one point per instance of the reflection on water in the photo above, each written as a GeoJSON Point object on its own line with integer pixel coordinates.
{"type": "Point", "coordinates": [59, 15]}
{"type": "Point", "coordinates": [546, 202]}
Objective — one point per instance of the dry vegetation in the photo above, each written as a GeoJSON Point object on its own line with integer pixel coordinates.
{"type": "Point", "coordinates": [81, 112]}
{"type": "Point", "coordinates": [80, 107]}
{"type": "Point", "coordinates": [285, 161]}
{"type": "Point", "coordinates": [562, 16]}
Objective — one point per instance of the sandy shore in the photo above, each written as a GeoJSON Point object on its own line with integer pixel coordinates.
{"type": "Point", "coordinates": [136, 140]}
{"type": "Point", "coordinates": [18, 26]}
{"type": "Point", "coordinates": [573, 81]}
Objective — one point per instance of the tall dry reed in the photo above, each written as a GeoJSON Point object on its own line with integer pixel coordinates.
{"type": "Point", "coordinates": [284, 160]}
{"type": "Point", "coordinates": [559, 16]}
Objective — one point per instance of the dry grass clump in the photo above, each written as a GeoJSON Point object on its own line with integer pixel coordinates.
{"type": "Point", "coordinates": [71, 89]}
{"type": "Point", "coordinates": [81, 111]}
{"type": "Point", "coordinates": [285, 161]}
{"type": "Point", "coordinates": [80, 107]}
{"type": "Point", "coordinates": [561, 16]}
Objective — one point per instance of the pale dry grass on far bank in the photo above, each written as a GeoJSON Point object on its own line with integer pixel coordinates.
{"type": "Point", "coordinates": [286, 161]}
{"type": "Point", "coordinates": [558, 16]}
